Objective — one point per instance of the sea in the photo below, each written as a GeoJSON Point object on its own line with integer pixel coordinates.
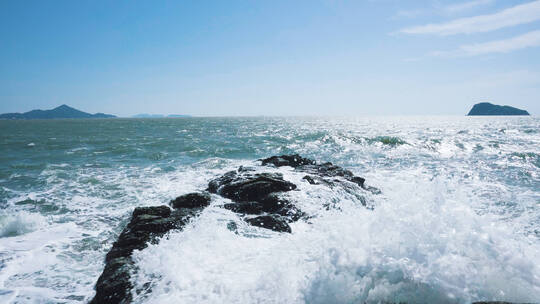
{"type": "Point", "coordinates": [457, 219]}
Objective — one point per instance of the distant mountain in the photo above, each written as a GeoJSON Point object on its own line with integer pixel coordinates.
{"type": "Point", "coordinates": [486, 108]}
{"type": "Point", "coordinates": [62, 111]}
{"type": "Point", "coordinates": [148, 116]}
{"type": "Point", "coordinates": [158, 116]}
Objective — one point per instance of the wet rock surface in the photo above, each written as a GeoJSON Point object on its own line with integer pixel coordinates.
{"type": "Point", "coordinates": [258, 197]}
{"type": "Point", "coordinates": [147, 225]}
{"type": "Point", "coordinates": [244, 186]}
{"type": "Point", "coordinates": [293, 160]}
{"type": "Point", "coordinates": [191, 200]}
{"type": "Point", "coordinates": [316, 171]}
{"type": "Point", "coordinates": [271, 222]}
{"type": "Point", "coordinates": [319, 174]}
{"type": "Point", "coordinates": [261, 193]}
{"type": "Point", "coordinates": [257, 194]}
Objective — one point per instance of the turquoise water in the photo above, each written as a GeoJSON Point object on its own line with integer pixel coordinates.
{"type": "Point", "coordinates": [458, 219]}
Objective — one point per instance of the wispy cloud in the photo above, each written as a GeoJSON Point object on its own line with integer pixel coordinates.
{"type": "Point", "coordinates": [530, 39]}
{"type": "Point", "coordinates": [520, 14]}
{"type": "Point", "coordinates": [437, 9]}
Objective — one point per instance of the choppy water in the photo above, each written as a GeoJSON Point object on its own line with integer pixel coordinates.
{"type": "Point", "coordinates": [458, 219]}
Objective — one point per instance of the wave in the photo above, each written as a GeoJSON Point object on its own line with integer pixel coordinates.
{"type": "Point", "coordinates": [20, 223]}
{"type": "Point", "coordinates": [422, 243]}
{"type": "Point", "coordinates": [387, 140]}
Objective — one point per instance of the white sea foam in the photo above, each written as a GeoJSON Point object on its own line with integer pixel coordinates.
{"type": "Point", "coordinates": [19, 223]}
{"type": "Point", "coordinates": [423, 243]}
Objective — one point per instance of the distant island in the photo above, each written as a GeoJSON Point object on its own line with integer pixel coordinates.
{"type": "Point", "coordinates": [62, 111]}
{"type": "Point", "coordinates": [159, 116]}
{"type": "Point", "coordinates": [486, 108]}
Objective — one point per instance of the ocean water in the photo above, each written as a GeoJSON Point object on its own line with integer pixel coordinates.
{"type": "Point", "coordinates": [458, 219]}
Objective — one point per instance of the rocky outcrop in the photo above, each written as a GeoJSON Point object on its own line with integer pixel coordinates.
{"type": "Point", "coordinates": [325, 173]}
{"type": "Point", "coordinates": [293, 160]}
{"type": "Point", "coordinates": [258, 197]}
{"type": "Point", "coordinates": [272, 222]}
{"type": "Point", "coordinates": [191, 200]}
{"type": "Point", "coordinates": [486, 108]}
{"type": "Point", "coordinates": [245, 186]}
{"type": "Point", "coordinates": [147, 225]}
{"type": "Point", "coordinates": [258, 194]}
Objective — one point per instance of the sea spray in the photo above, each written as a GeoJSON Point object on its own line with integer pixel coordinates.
{"type": "Point", "coordinates": [19, 223]}
{"type": "Point", "coordinates": [423, 246]}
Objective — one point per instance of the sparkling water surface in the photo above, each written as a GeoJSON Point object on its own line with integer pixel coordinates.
{"type": "Point", "coordinates": [458, 219]}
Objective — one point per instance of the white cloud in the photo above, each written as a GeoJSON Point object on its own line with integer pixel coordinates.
{"type": "Point", "coordinates": [437, 9]}
{"type": "Point", "coordinates": [519, 14]}
{"type": "Point", "coordinates": [530, 39]}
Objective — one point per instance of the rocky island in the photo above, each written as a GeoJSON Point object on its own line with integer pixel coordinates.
{"type": "Point", "coordinates": [486, 108]}
{"type": "Point", "coordinates": [61, 112]}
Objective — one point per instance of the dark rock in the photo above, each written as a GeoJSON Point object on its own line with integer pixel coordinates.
{"type": "Point", "coordinates": [248, 186]}
{"type": "Point", "coordinates": [213, 185]}
{"type": "Point", "coordinates": [317, 171]}
{"type": "Point", "coordinates": [256, 194]}
{"type": "Point", "coordinates": [161, 211]}
{"type": "Point", "coordinates": [114, 283]}
{"type": "Point", "coordinates": [311, 180]}
{"type": "Point", "coordinates": [291, 213]}
{"type": "Point", "coordinates": [191, 200]}
{"type": "Point", "coordinates": [271, 222]}
{"type": "Point", "coordinates": [273, 203]}
{"type": "Point", "coordinates": [330, 170]}
{"type": "Point", "coordinates": [270, 204]}
{"type": "Point", "coordinates": [245, 207]}
{"type": "Point", "coordinates": [146, 222]}
{"type": "Point", "coordinates": [486, 108]}
{"type": "Point", "coordinates": [147, 225]}
{"type": "Point", "coordinates": [293, 160]}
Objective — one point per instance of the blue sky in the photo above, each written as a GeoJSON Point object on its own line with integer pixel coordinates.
{"type": "Point", "coordinates": [365, 57]}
